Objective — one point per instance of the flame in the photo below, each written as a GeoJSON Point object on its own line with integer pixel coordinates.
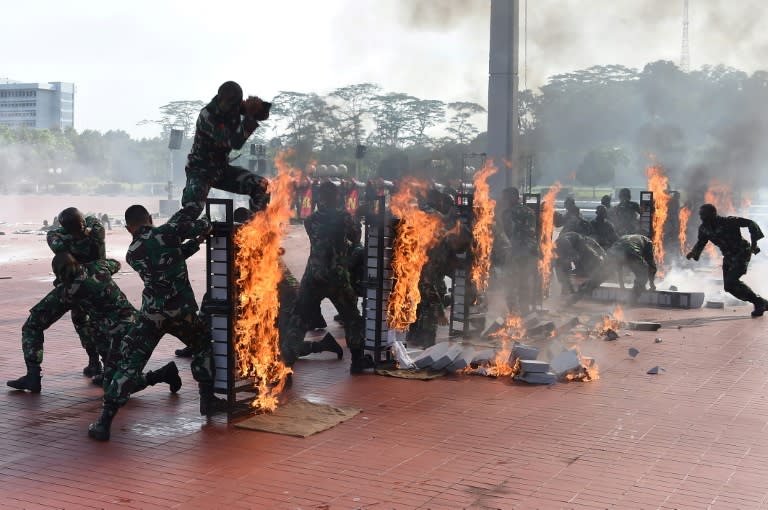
{"type": "Point", "coordinates": [417, 232]}
{"type": "Point", "coordinates": [257, 341]}
{"type": "Point", "coordinates": [612, 321]}
{"type": "Point", "coordinates": [499, 367]}
{"type": "Point", "coordinates": [546, 242]}
{"type": "Point", "coordinates": [658, 184]}
{"type": "Point", "coordinates": [588, 371]}
{"type": "Point", "coordinates": [482, 229]}
{"type": "Point", "coordinates": [684, 215]}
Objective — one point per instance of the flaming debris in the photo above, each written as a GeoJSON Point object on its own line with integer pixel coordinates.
{"type": "Point", "coordinates": [417, 232]}
{"type": "Point", "coordinates": [546, 241]}
{"type": "Point", "coordinates": [482, 229]}
{"type": "Point", "coordinates": [585, 372]}
{"type": "Point", "coordinates": [658, 184]}
{"type": "Point", "coordinates": [684, 215]}
{"type": "Point", "coordinates": [257, 341]}
{"type": "Point", "coordinates": [499, 366]}
{"type": "Point", "coordinates": [611, 322]}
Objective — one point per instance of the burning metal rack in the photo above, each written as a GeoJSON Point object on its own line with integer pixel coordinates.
{"type": "Point", "coordinates": [465, 321]}
{"type": "Point", "coordinates": [219, 306]}
{"type": "Point", "coordinates": [379, 236]}
{"type": "Point", "coordinates": [646, 213]}
{"type": "Point", "coordinates": [533, 201]}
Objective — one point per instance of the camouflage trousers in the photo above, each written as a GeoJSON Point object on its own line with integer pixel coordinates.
{"type": "Point", "coordinates": [136, 348]}
{"type": "Point", "coordinates": [230, 178]}
{"type": "Point", "coordinates": [521, 281]}
{"type": "Point", "coordinates": [44, 315]}
{"type": "Point", "coordinates": [734, 267]}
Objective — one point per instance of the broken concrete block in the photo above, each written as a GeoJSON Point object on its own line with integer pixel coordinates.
{"type": "Point", "coordinates": [495, 327]}
{"type": "Point", "coordinates": [431, 354]}
{"type": "Point", "coordinates": [523, 351]}
{"type": "Point", "coordinates": [565, 362]}
{"type": "Point", "coordinates": [564, 326]}
{"type": "Point", "coordinates": [643, 326]}
{"type": "Point", "coordinates": [715, 304]}
{"type": "Point", "coordinates": [537, 377]}
{"type": "Point", "coordinates": [453, 352]}
{"type": "Point", "coordinates": [633, 352]}
{"type": "Point", "coordinates": [484, 356]}
{"type": "Point", "coordinates": [657, 340]}
{"type": "Point", "coordinates": [610, 335]}
{"type": "Point", "coordinates": [587, 362]}
{"type": "Point", "coordinates": [544, 328]}
{"type": "Point", "coordinates": [463, 361]}
{"type": "Point", "coordinates": [533, 366]}
{"type": "Point", "coordinates": [655, 370]}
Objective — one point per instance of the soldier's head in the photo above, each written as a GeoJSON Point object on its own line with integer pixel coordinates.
{"type": "Point", "coordinates": [242, 215]}
{"type": "Point", "coordinates": [707, 213]}
{"type": "Point", "coordinates": [64, 267]}
{"type": "Point", "coordinates": [137, 216]}
{"type": "Point", "coordinates": [606, 200]}
{"type": "Point", "coordinates": [625, 195]}
{"type": "Point", "coordinates": [570, 204]}
{"type": "Point", "coordinates": [229, 97]}
{"type": "Point", "coordinates": [511, 196]}
{"type": "Point", "coordinates": [72, 221]}
{"type": "Point", "coordinates": [327, 195]}
{"type": "Point", "coordinates": [601, 212]}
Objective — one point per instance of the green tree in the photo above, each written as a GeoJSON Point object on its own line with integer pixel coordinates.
{"type": "Point", "coordinates": [460, 124]}
{"type": "Point", "coordinates": [599, 167]}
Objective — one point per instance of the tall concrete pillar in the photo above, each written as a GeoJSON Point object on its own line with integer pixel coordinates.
{"type": "Point", "coordinates": [502, 92]}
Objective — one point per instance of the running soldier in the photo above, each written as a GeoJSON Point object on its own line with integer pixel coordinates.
{"type": "Point", "coordinates": [224, 124]}
{"type": "Point", "coordinates": [168, 305]}
{"type": "Point", "coordinates": [725, 233]}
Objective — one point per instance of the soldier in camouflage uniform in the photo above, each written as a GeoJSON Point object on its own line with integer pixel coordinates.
{"type": "Point", "coordinates": [519, 223]}
{"type": "Point", "coordinates": [577, 255]}
{"type": "Point", "coordinates": [224, 124]}
{"type": "Point", "coordinates": [725, 233]}
{"type": "Point", "coordinates": [602, 229]}
{"type": "Point", "coordinates": [168, 305]}
{"type": "Point", "coordinates": [331, 232]}
{"type": "Point", "coordinates": [83, 237]}
{"type": "Point", "coordinates": [626, 214]}
{"type": "Point", "coordinates": [572, 220]}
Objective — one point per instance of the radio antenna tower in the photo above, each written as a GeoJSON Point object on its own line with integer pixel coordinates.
{"type": "Point", "coordinates": [685, 54]}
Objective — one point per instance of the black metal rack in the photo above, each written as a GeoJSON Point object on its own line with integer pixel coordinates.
{"type": "Point", "coordinates": [533, 201]}
{"type": "Point", "coordinates": [646, 213]}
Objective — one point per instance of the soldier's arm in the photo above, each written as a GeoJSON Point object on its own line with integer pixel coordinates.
{"type": "Point", "coordinates": [111, 265]}
{"type": "Point", "coordinates": [244, 130]}
{"type": "Point", "coordinates": [208, 127]}
{"type": "Point", "coordinates": [186, 228]}
{"type": "Point", "coordinates": [58, 240]}
{"type": "Point", "coordinates": [189, 248]}
{"type": "Point", "coordinates": [755, 233]}
{"type": "Point", "coordinates": [96, 234]}
{"type": "Point", "coordinates": [702, 241]}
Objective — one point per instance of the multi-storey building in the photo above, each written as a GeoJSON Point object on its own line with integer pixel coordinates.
{"type": "Point", "coordinates": [37, 105]}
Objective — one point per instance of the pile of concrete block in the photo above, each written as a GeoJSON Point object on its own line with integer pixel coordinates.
{"type": "Point", "coordinates": [659, 298]}
{"type": "Point", "coordinates": [530, 369]}
{"type": "Point", "coordinates": [569, 365]}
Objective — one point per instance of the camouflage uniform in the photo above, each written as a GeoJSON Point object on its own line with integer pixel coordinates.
{"type": "Point", "coordinates": [431, 309]}
{"type": "Point", "coordinates": [578, 255]}
{"type": "Point", "coordinates": [637, 252]}
{"type": "Point", "coordinates": [208, 165]}
{"type": "Point", "coordinates": [326, 274]}
{"type": "Point", "coordinates": [572, 221]}
{"type": "Point", "coordinates": [87, 249]}
{"type": "Point", "coordinates": [725, 233]}
{"type": "Point", "coordinates": [168, 306]}
{"type": "Point", "coordinates": [603, 232]}
{"type": "Point", "coordinates": [627, 216]}
{"type": "Point", "coordinates": [521, 262]}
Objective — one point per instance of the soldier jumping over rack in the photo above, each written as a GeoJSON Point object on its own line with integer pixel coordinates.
{"type": "Point", "coordinates": [725, 233]}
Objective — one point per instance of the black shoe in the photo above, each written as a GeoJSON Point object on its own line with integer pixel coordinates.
{"type": "Point", "coordinates": [211, 405]}
{"type": "Point", "coordinates": [27, 382]}
{"type": "Point", "coordinates": [186, 352]}
{"type": "Point", "coordinates": [93, 368]}
{"type": "Point", "coordinates": [99, 430]}
{"type": "Point", "coordinates": [169, 374]}
{"type": "Point", "coordinates": [760, 306]}
{"type": "Point", "coordinates": [98, 380]}
{"type": "Point", "coordinates": [328, 344]}
{"type": "Point", "coordinates": [337, 318]}
{"type": "Point", "coordinates": [361, 363]}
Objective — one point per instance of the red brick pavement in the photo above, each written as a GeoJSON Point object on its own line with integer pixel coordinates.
{"type": "Point", "coordinates": [691, 438]}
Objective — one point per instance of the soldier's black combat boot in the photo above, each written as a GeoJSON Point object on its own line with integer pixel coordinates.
{"type": "Point", "coordinates": [30, 381]}
{"type": "Point", "coordinates": [186, 352]}
{"type": "Point", "coordinates": [328, 344]}
{"type": "Point", "coordinates": [209, 403]}
{"type": "Point", "coordinates": [360, 362]}
{"type": "Point", "coordinates": [94, 365]}
{"type": "Point", "coordinates": [760, 306]}
{"type": "Point", "coordinates": [99, 430]}
{"type": "Point", "coordinates": [167, 374]}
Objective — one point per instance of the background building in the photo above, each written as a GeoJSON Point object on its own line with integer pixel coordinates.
{"type": "Point", "coordinates": [37, 105]}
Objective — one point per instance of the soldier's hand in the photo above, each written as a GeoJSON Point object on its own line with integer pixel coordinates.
{"type": "Point", "coordinates": [755, 250]}
{"type": "Point", "coordinates": [690, 255]}
{"type": "Point", "coordinates": [256, 109]}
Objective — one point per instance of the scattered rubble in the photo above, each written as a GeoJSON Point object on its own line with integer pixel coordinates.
{"type": "Point", "coordinates": [643, 326]}
{"type": "Point", "coordinates": [633, 352]}
{"type": "Point", "coordinates": [656, 370]}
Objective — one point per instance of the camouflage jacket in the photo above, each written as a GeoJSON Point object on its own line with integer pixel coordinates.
{"type": "Point", "coordinates": [573, 222]}
{"type": "Point", "coordinates": [215, 137]}
{"type": "Point", "coordinates": [725, 233]}
{"type": "Point", "coordinates": [159, 255]}
{"type": "Point", "coordinates": [586, 254]}
{"type": "Point", "coordinates": [519, 223]}
{"type": "Point", "coordinates": [603, 232]}
{"type": "Point", "coordinates": [627, 215]}
{"type": "Point", "coordinates": [633, 248]}
{"type": "Point", "coordinates": [331, 234]}
{"type": "Point", "coordinates": [94, 290]}
{"type": "Point", "coordinates": [89, 248]}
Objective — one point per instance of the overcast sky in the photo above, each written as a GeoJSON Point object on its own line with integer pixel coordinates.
{"type": "Point", "coordinates": [127, 59]}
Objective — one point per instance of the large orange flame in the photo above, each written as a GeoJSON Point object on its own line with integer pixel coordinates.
{"type": "Point", "coordinates": [684, 215]}
{"type": "Point", "coordinates": [611, 322]}
{"type": "Point", "coordinates": [499, 366]}
{"type": "Point", "coordinates": [257, 341]}
{"type": "Point", "coordinates": [482, 230]}
{"type": "Point", "coordinates": [658, 184]}
{"type": "Point", "coordinates": [417, 232]}
{"type": "Point", "coordinates": [546, 241]}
